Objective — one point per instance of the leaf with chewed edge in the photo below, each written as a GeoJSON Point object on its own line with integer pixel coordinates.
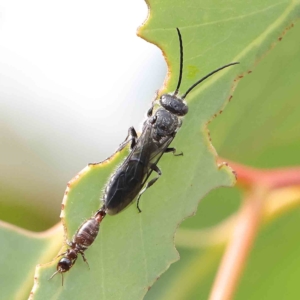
{"type": "Point", "coordinates": [132, 249]}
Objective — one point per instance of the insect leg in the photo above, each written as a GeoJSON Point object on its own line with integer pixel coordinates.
{"type": "Point", "coordinates": [150, 183]}
{"type": "Point", "coordinates": [62, 254]}
{"type": "Point", "coordinates": [131, 137]}
{"type": "Point", "coordinates": [168, 150]}
{"type": "Point", "coordinates": [84, 259]}
{"type": "Point", "coordinates": [150, 110]}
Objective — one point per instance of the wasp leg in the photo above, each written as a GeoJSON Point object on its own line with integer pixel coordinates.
{"type": "Point", "coordinates": [131, 137]}
{"type": "Point", "coordinates": [173, 150]}
{"type": "Point", "coordinates": [84, 259]}
{"type": "Point", "coordinates": [62, 254]}
{"type": "Point", "coordinates": [150, 110]}
{"type": "Point", "coordinates": [150, 183]}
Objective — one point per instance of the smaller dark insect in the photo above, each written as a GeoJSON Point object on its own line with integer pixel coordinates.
{"type": "Point", "coordinates": [84, 237]}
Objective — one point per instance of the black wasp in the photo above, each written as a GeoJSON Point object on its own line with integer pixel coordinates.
{"type": "Point", "coordinates": [159, 130]}
{"type": "Point", "coordinates": [84, 237]}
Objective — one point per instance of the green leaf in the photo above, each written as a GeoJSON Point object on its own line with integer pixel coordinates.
{"type": "Point", "coordinates": [260, 127]}
{"type": "Point", "coordinates": [21, 250]}
{"type": "Point", "coordinates": [133, 250]}
{"type": "Point", "coordinates": [265, 110]}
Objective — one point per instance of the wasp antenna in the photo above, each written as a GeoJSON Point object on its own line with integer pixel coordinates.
{"type": "Point", "coordinates": [208, 75]}
{"type": "Point", "coordinates": [181, 62]}
{"type": "Point", "coordinates": [62, 277]}
{"type": "Point", "coordinates": [53, 275]}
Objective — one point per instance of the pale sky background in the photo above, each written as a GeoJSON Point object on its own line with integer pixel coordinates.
{"type": "Point", "coordinates": [73, 78]}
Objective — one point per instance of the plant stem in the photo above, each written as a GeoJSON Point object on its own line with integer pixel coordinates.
{"type": "Point", "coordinates": [239, 247]}
{"type": "Point", "coordinates": [272, 178]}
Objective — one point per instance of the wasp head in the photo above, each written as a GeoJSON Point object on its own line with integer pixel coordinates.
{"type": "Point", "coordinates": [173, 104]}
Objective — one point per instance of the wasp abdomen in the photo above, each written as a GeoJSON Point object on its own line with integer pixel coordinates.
{"type": "Point", "coordinates": [87, 233]}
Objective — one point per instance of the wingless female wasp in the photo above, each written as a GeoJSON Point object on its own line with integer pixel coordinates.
{"type": "Point", "coordinates": [83, 238]}
{"type": "Point", "coordinates": [129, 180]}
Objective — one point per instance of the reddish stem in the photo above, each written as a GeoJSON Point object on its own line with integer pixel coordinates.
{"type": "Point", "coordinates": [237, 252]}
{"type": "Point", "coordinates": [271, 178]}
{"type": "Point", "coordinates": [259, 182]}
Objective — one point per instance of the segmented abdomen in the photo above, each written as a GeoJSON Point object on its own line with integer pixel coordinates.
{"type": "Point", "coordinates": [87, 233]}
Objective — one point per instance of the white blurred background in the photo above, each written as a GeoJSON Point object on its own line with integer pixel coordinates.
{"type": "Point", "coordinates": [73, 78]}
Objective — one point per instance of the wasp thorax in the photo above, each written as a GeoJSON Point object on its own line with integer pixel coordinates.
{"type": "Point", "coordinates": [173, 104]}
{"type": "Point", "coordinates": [72, 253]}
{"type": "Point", "coordinates": [165, 124]}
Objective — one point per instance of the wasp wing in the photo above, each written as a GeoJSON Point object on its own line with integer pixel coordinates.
{"type": "Point", "coordinates": [157, 151]}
